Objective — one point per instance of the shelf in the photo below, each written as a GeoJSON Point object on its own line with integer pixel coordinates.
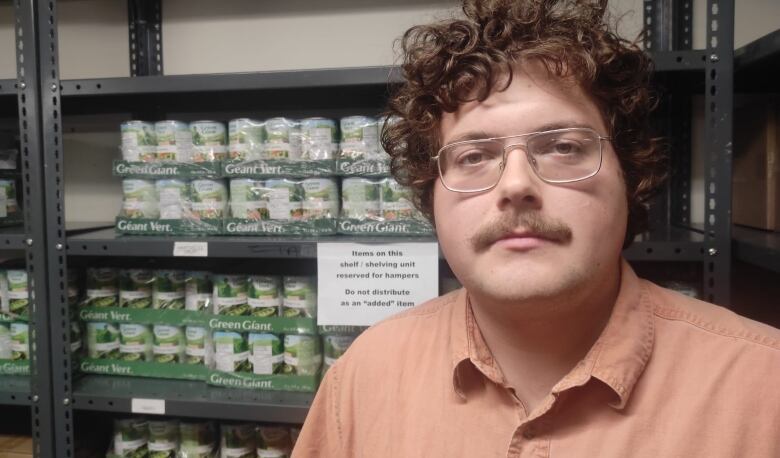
{"type": "Point", "coordinates": [757, 247]}
{"type": "Point", "coordinates": [7, 87]}
{"type": "Point", "coordinates": [222, 82]}
{"type": "Point", "coordinates": [12, 238]}
{"type": "Point", "coordinates": [14, 389]}
{"type": "Point", "coordinates": [757, 63]}
{"type": "Point", "coordinates": [107, 243]}
{"type": "Point", "coordinates": [299, 93]}
{"type": "Point", "coordinates": [190, 399]}
{"type": "Point", "coordinates": [674, 245]}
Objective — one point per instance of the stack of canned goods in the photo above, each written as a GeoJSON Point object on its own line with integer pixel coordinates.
{"type": "Point", "coordinates": [265, 296]}
{"type": "Point", "coordinates": [267, 354]}
{"type": "Point", "coordinates": [173, 199]}
{"type": "Point", "coordinates": [284, 199]}
{"type": "Point", "coordinates": [376, 199]}
{"type": "Point", "coordinates": [169, 438]}
{"type": "Point", "coordinates": [174, 141]}
{"type": "Point", "coordinates": [283, 138]}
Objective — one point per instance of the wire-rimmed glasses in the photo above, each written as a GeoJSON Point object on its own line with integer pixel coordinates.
{"type": "Point", "coordinates": [556, 156]}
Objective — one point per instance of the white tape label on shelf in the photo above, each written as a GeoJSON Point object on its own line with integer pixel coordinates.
{"type": "Point", "coordinates": [192, 249]}
{"type": "Point", "coordinates": [148, 406]}
{"type": "Point", "coordinates": [359, 284]}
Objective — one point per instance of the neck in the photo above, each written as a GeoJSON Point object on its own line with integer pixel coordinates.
{"type": "Point", "coordinates": [545, 337]}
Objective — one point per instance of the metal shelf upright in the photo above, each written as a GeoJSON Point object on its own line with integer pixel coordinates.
{"type": "Point", "coordinates": [23, 94]}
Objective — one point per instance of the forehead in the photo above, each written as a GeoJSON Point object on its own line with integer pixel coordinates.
{"type": "Point", "coordinates": [534, 101]}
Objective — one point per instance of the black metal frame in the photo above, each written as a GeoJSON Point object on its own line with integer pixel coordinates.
{"type": "Point", "coordinates": [52, 392]}
{"type": "Point", "coordinates": [32, 127]}
{"type": "Point", "coordinates": [145, 19]}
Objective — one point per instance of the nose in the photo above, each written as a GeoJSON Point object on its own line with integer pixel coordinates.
{"type": "Point", "coordinates": [519, 186]}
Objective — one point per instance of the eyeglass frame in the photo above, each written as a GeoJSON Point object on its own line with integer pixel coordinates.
{"type": "Point", "coordinates": [524, 147]}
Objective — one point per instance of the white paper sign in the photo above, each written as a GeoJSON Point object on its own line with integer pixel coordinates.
{"type": "Point", "coordinates": [194, 249]}
{"type": "Point", "coordinates": [360, 284]}
{"type": "Point", "coordinates": [148, 406]}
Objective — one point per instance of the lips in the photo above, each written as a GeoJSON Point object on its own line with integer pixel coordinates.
{"type": "Point", "coordinates": [522, 241]}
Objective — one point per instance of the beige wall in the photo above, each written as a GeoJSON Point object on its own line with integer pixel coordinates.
{"type": "Point", "coordinates": [202, 36]}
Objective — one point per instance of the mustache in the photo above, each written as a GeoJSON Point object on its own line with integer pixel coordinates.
{"type": "Point", "coordinates": [534, 223]}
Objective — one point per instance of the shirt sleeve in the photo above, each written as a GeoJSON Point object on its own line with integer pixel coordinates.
{"type": "Point", "coordinates": [321, 435]}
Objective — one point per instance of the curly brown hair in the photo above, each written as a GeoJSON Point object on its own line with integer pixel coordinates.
{"type": "Point", "coordinates": [451, 62]}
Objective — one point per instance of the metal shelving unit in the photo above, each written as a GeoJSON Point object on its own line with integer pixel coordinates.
{"type": "Point", "coordinates": [45, 99]}
{"type": "Point", "coordinates": [761, 248]}
{"type": "Point", "coordinates": [15, 390]}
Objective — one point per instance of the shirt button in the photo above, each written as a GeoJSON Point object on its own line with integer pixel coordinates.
{"type": "Point", "coordinates": [528, 434]}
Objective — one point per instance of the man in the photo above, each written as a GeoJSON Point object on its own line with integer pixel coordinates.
{"type": "Point", "coordinates": [523, 135]}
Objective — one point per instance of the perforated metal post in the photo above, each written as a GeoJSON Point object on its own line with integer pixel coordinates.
{"type": "Point", "coordinates": [718, 110]}
{"type": "Point", "coordinates": [54, 226]}
{"type": "Point", "coordinates": [145, 23]}
{"type": "Point", "coordinates": [31, 134]}
{"type": "Point", "coordinates": [681, 111]}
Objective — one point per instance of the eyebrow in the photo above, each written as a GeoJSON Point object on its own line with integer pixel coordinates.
{"type": "Point", "coordinates": [481, 134]}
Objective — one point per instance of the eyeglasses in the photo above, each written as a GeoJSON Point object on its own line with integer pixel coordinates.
{"type": "Point", "coordinates": [556, 156]}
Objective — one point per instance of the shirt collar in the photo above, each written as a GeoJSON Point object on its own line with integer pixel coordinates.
{"type": "Point", "coordinates": [618, 357]}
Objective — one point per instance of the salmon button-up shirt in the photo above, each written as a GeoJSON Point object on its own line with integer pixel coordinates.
{"type": "Point", "coordinates": [669, 376]}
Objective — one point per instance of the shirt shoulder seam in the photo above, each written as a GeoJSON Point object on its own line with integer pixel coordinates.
{"type": "Point", "coordinates": [675, 314]}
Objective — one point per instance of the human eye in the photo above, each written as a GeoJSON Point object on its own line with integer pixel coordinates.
{"type": "Point", "coordinates": [561, 147]}
{"type": "Point", "coordinates": [473, 157]}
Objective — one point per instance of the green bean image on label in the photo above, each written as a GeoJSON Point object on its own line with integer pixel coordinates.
{"type": "Point", "coordinates": [321, 198]}
{"type": "Point", "coordinates": [174, 141]}
{"type": "Point", "coordinates": [231, 351]}
{"type": "Point", "coordinates": [334, 347]}
{"type": "Point", "coordinates": [139, 142]}
{"type": "Point", "coordinates": [360, 198]}
{"type": "Point", "coordinates": [168, 292]}
{"type": "Point", "coordinates": [359, 137]}
{"type": "Point", "coordinates": [266, 354]}
{"type": "Point", "coordinates": [283, 139]}
{"type": "Point", "coordinates": [209, 199]}
{"type": "Point", "coordinates": [249, 199]}
{"type": "Point", "coordinates": [264, 295]}
{"type": "Point", "coordinates": [169, 344]}
{"type": "Point", "coordinates": [198, 439]}
{"type": "Point", "coordinates": [238, 440]}
{"type": "Point", "coordinates": [102, 287]}
{"type": "Point", "coordinates": [4, 306]}
{"type": "Point", "coordinates": [198, 291]}
{"type": "Point", "coordinates": [285, 199]}
{"type": "Point", "coordinates": [230, 295]}
{"type": "Point", "coordinates": [135, 342]}
{"type": "Point", "coordinates": [302, 355]}
{"type": "Point", "coordinates": [102, 340]}
{"type": "Point", "coordinates": [173, 198]}
{"type": "Point", "coordinates": [209, 141]}
{"type": "Point", "coordinates": [318, 139]}
{"type": "Point", "coordinates": [131, 438]}
{"type": "Point", "coordinates": [246, 137]}
{"type": "Point", "coordinates": [300, 297]}
{"type": "Point", "coordinates": [5, 341]}
{"type": "Point", "coordinates": [20, 341]}
{"type": "Point", "coordinates": [396, 201]}
{"type": "Point", "coordinates": [135, 288]}
{"type": "Point", "coordinates": [199, 348]}
{"type": "Point", "coordinates": [18, 293]}
{"type": "Point", "coordinates": [273, 442]}
{"type": "Point", "coordinates": [139, 199]}
{"type": "Point", "coordinates": [163, 438]}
